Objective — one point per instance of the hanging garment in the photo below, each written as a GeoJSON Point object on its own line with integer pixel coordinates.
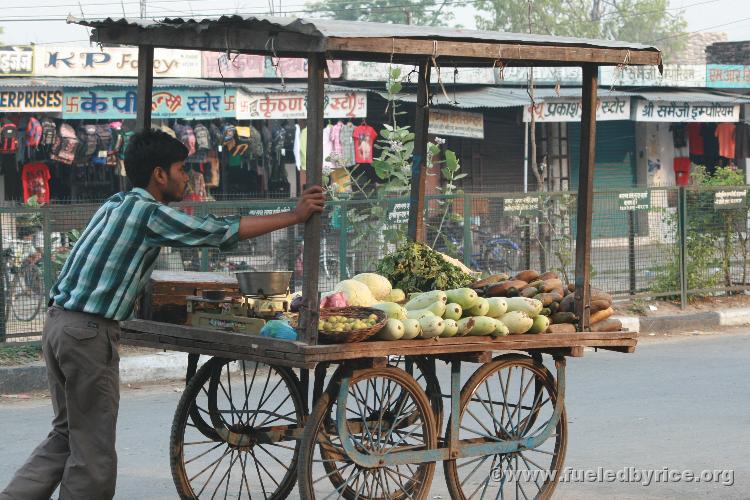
{"type": "Point", "coordinates": [347, 144]}
{"type": "Point", "coordinates": [679, 137]}
{"type": "Point", "coordinates": [725, 134]}
{"type": "Point", "coordinates": [364, 140]}
{"type": "Point", "coordinates": [297, 146]}
{"type": "Point", "coordinates": [303, 149]}
{"type": "Point", "coordinates": [35, 178]}
{"type": "Point", "coordinates": [327, 149]}
{"type": "Point", "coordinates": [695, 138]}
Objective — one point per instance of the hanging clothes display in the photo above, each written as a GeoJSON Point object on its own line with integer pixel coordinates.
{"type": "Point", "coordinates": [346, 137]}
{"type": "Point", "coordinates": [297, 146]}
{"type": "Point", "coordinates": [364, 140]}
{"type": "Point", "coordinates": [327, 149]}
{"type": "Point", "coordinates": [725, 134]}
{"type": "Point", "coordinates": [35, 178]}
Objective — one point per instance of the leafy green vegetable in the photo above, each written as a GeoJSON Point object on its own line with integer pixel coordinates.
{"type": "Point", "coordinates": [415, 267]}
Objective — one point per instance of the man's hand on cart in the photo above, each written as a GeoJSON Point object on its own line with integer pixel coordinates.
{"type": "Point", "coordinates": [311, 201]}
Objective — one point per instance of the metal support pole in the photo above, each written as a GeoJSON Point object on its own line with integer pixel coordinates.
{"type": "Point", "coordinates": [586, 196]}
{"type": "Point", "coordinates": [145, 87]}
{"type": "Point", "coordinates": [455, 405]}
{"type": "Point", "coordinates": [47, 275]}
{"type": "Point", "coordinates": [467, 230]}
{"type": "Point", "coordinates": [631, 251]}
{"type": "Point", "coordinates": [419, 165]}
{"type": "Point", "coordinates": [343, 241]}
{"type": "Point", "coordinates": [682, 218]}
{"type": "Point", "coordinates": [308, 326]}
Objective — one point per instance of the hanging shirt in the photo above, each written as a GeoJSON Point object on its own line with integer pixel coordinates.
{"type": "Point", "coordinates": [303, 149]}
{"type": "Point", "coordinates": [327, 149]}
{"type": "Point", "coordinates": [725, 135]}
{"type": "Point", "coordinates": [297, 152]}
{"type": "Point", "coordinates": [35, 179]}
{"type": "Point", "coordinates": [695, 138]}
{"type": "Point", "coordinates": [364, 140]}
{"type": "Point", "coordinates": [347, 144]}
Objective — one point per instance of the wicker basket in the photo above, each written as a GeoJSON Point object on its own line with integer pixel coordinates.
{"type": "Point", "coordinates": [349, 312]}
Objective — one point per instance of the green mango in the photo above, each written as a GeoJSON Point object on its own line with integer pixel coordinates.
{"type": "Point", "coordinates": [465, 297]}
{"type": "Point", "coordinates": [451, 328]}
{"type": "Point", "coordinates": [453, 311]}
{"type": "Point", "coordinates": [423, 300]}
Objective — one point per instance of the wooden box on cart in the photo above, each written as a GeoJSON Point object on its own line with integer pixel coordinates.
{"type": "Point", "coordinates": [165, 296]}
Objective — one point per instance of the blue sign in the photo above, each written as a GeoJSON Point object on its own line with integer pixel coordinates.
{"type": "Point", "coordinates": [165, 103]}
{"type": "Point", "coordinates": [728, 76]}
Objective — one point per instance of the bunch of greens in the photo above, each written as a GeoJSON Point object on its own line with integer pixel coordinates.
{"type": "Point", "coordinates": [415, 267]}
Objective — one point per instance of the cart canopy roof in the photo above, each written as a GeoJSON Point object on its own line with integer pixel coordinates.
{"type": "Point", "coordinates": [352, 40]}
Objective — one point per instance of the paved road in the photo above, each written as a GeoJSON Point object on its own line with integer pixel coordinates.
{"type": "Point", "coordinates": [682, 404]}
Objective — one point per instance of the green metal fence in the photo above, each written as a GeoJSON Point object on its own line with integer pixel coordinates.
{"type": "Point", "coordinates": [658, 242]}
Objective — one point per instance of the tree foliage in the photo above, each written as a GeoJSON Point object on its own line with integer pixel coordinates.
{"type": "Point", "coordinates": [418, 12]}
{"type": "Point", "coordinates": [645, 21]}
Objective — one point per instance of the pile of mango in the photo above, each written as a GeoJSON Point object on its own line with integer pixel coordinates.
{"type": "Point", "coordinates": [460, 312]}
{"type": "Point", "coordinates": [558, 300]}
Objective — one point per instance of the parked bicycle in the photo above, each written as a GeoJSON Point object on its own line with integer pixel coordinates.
{"type": "Point", "coordinates": [496, 253]}
{"type": "Point", "coordinates": [23, 280]}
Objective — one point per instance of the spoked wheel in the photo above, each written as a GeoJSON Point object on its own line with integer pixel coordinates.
{"type": "Point", "coordinates": [511, 398]}
{"type": "Point", "coordinates": [236, 430]}
{"type": "Point", "coordinates": [386, 412]}
{"type": "Point", "coordinates": [27, 292]}
{"type": "Point", "coordinates": [423, 372]}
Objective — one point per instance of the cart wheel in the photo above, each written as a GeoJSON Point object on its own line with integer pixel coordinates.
{"type": "Point", "coordinates": [511, 397]}
{"type": "Point", "coordinates": [255, 413]}
{"type": "Point", "coordinates": [422, 369]}
{"type": "Point", "coordinates": [386, 411]}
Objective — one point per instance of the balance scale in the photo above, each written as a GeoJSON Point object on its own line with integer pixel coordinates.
{"type": "Point", "coordinates": [239, 314]}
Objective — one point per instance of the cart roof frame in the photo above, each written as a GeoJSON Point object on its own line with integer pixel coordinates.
{"type": "Point", "coordinates": [426, 47]}
{"type": "Point", "coordinates": [357, 40]}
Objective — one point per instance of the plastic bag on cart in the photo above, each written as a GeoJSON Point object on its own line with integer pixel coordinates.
{"type": "Point", "coordinates": [278, 329]}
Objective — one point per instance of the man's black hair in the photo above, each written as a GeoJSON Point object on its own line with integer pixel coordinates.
{"type": "Point", "coordinates": [148, 150]}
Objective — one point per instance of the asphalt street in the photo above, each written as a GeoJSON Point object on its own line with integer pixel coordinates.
{"type": "Point", "coordinates": [681, 404]}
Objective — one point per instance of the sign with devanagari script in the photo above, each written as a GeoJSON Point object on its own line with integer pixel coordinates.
{"type": "Point", "coordinates": [676, 111]}
{"type": "Point", "coordinates": [293, 105]}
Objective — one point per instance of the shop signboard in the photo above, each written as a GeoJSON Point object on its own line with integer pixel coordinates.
{"type": "Point", "coordinates": [518, 75]}
{"type": "Point", "coordinates": [31, 100]}
{"type": "Point", "coordinates": [525, 205]}
{"type": "Point", "coordinates": [674, 75]}
{"type": "Point", "coordinates": [378, 72]}
{"type": "Point", "coordinates": [730, 199]}
{"type": "Point", "coordinates": [290, 105]}
{"type": "Point", "coordinates": [16, 60]}
{"type": "Point", "coordinates": [224, 65]}
{"type": "Point", "coordinates": [677, 111]}
{"type": "Point", "coordinates": [728, 76]}
{"type": "Point", "coordinates": [74, 61]}
{"type": "Point", "coordinates": [569, 110]}
{"type": "Point", "coordinates": [166, 103]}
{"type": "Point", "coordinates": [634, 201]}
{"type": "Point", "coordinates": [444, 122]}
{"type": "Point", "coordinates": [270, 209]}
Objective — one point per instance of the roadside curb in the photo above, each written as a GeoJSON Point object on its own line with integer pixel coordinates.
{"type": "Point", "coordinates": [164, 366]}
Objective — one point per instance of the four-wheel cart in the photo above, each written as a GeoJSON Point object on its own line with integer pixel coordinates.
{"type": "Point", "coordinates": [371, 422]}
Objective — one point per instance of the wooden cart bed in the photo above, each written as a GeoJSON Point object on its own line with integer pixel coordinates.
{"type": "Point", "coordinates": [158, 335]}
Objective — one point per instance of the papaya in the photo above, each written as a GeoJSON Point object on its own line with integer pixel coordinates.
{"type": "Point", "coordinates": [490, 280]}
{"type": "Point", "coordinates": [537, 284]}
{"type": "Point", "coordinates": [568, 303]}
{"type": "Point", "coordinates": [601, 316]}
{"type": "Point", "coordinates": [571, 287]}
{"type": "Point", "coordinates": [465, 297]}
{"type": "Point", "coordinates": [498, 307]}
{"type": "Point", "coordinates": [561, 328]}
{"type": "Point", "coordinates": [465, 325]}
{"type": "Point", "coordinates": [554, 307]}
{"type": "Point", "coordinates": [483, 325]}
{"type": "Point", "coordinates": [411, 329]}
{"type": "Point", "coordinates": [508, 288]}
{"type": "Point", "coordinates": [597, 294]}
{"type": "Point", "coordinates": [599, 305]}
{"type": "Point", "coordinates": [453, 311]}
{"type": "Point", "coordinates": [546, 298]}
{"type": "Point", "coordinates": [563, 317]}
{"type": "Point", "coordinates": [450, 329]}
{"type": "Point", "coordinates": [529, 292]}
{"type": "Point", "coordinates": [608, 325]}
{"type": "Point", "coordinates": [550, 285]}
{"type": "Point", "coordinates": [549, 275]}
{"type": "Point", "coordinates": [528, 275]}
{"type": "Point", "coordinates": [531, 307]}
{"type": "Point", "coordinates": [540, 325]}
{"type": "Point", "coordinates": [423, 300]}
{"type": "Point", "coordinates": [546, 311]}
{"type": "Point", "coordinates": [481, 308]}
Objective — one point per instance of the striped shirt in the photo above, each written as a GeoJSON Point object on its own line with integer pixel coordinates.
{"type": "Point", "coordinates": [113, 259]}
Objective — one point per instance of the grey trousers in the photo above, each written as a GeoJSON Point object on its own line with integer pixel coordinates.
{"type": "Point", "coordinates": [80, 351]}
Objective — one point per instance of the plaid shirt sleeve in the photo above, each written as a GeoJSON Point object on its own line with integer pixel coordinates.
{"type": "Point", "coordinates": [169, 227]}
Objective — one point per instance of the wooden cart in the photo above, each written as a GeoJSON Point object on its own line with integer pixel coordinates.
{"type": "Point", "coordinates": [375, 426]}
